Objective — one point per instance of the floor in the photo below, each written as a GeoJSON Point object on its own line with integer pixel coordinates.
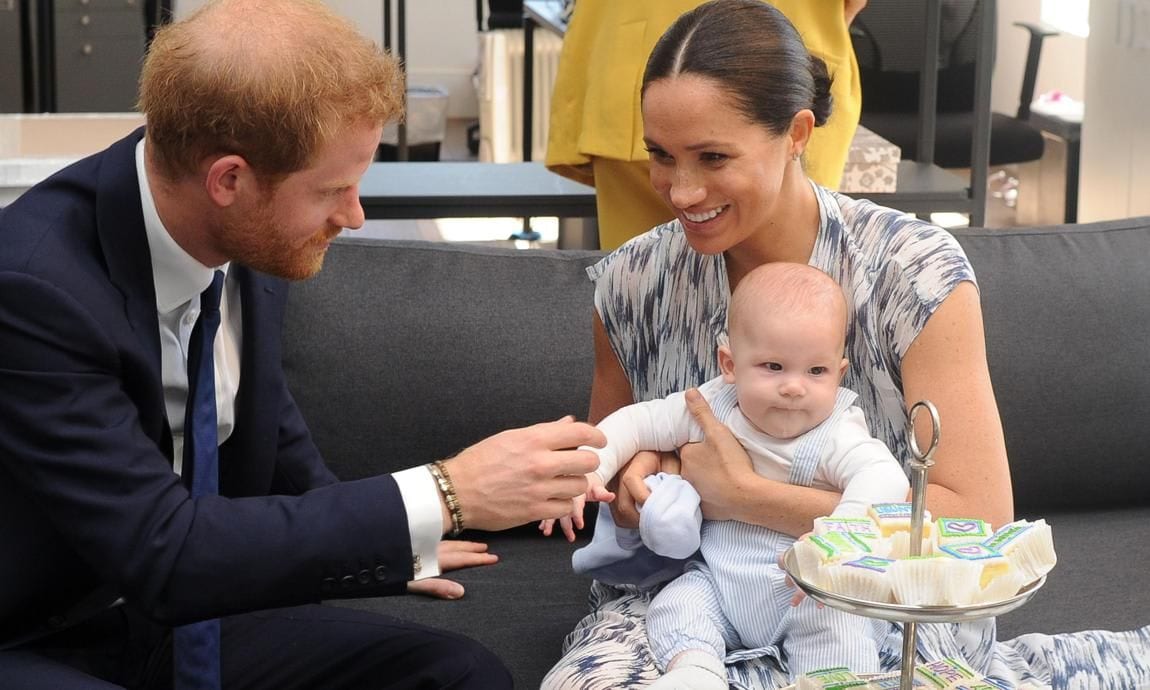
{"type": "Point", "coordinates": [1001, 212]}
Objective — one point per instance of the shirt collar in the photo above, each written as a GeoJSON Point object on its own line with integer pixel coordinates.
{"type": "Point", "coordinates": [177, 276]}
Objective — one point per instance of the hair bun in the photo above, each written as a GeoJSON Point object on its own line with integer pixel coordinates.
{"type": "Point", "coordinates": [822, 101]}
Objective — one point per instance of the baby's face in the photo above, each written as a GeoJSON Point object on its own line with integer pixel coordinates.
{"type": "Point", "coordinates": [786, 372]}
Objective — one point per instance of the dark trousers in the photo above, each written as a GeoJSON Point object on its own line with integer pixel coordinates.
{"type": "Point", "coordinates": [301, 647]}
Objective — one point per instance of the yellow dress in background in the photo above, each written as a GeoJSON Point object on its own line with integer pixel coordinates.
{"type": "Point", "coordinates": [596, 128]}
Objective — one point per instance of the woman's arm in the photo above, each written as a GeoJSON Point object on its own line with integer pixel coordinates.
{"type": "Point", "coordinates": [611, 390]}
{"type": "Point", "coordinates": [720, 470]}
{"type": "Point", "coordinates": [946, 364]}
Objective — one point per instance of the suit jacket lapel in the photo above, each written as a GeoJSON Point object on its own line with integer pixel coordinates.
{"type": "Point", "coordinates": [124, 242]}
{"type": "Point", "coordinates": [262, 299]}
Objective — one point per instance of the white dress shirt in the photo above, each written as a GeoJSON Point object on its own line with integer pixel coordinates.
{"type": "Point", "coordinates": [179, 279]}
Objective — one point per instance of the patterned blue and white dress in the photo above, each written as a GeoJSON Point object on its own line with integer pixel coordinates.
{"type": "Point", "coordinates": [664, 307]}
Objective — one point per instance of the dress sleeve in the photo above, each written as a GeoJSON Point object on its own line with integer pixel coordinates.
{"type": "Point", "coordinates": [925, 265]}
{"type": "Point", "coordinates": [628, 285]}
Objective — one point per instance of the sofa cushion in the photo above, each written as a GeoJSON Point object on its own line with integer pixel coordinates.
{"type": "Point", "coordinates": [1067, 313]}
{"type": "Point", "coordinates": [403, 352]}
{"type": "Point", "coordinates": [520, 608]}
{"type": "Point", "coordinates": [1093, 586]}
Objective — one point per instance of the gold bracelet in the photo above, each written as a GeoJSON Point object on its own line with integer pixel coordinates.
{"type": "Point", "coordinates": [447, 488]}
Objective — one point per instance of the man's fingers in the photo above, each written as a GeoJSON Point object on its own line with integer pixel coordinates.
{"type": "Point", "coordinates": [454, 555]}
{"type": "Point", "coordinates": [567, 433]}
{"type": "Point", "coordinates": [436, 587]}
{"type": "Point", "coordinates": [464, 545]}
{"type": "Point", "coordinates": [565, 487]}
{"type": "Point", "coordinates": [573, 462]}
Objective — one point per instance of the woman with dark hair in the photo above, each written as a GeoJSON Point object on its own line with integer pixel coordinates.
{"type": "Point", "coordinates": [730, 97]}
{"type": "Point", "coordinates": [595, 134]}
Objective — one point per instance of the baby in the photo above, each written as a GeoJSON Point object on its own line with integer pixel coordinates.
{"type": "Point", "coordinates": [779, 394]}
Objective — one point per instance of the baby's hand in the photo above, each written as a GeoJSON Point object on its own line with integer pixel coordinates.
{"type": "Point", "coordinates": [596, 491]}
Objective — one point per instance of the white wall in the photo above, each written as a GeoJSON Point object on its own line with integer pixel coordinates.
{"type": "Point", "coordinates": [442, 42]}
{"type": "Point", "coordinates": [1062, 65]}
{"type": "Point", "coordinates": [1115, 139]}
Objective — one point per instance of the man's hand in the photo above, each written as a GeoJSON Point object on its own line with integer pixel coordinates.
{"type": "Point", "coordinates": [452, 555]}
{"type": "Point", "coordinates": [523, 475]}
{"type": "Point", "coordinates": [715, 464]}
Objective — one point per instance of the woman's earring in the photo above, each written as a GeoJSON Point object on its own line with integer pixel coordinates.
{"type": "Point", "coordinates": [795, 156]}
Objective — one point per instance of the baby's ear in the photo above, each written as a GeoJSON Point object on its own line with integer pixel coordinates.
{"type": "Point", "coordinates": [843, 368]}
{"type": "Point", "coordinates": [726, 364]}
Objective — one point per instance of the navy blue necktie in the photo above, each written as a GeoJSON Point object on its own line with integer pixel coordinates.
{"type": "Point", "coordinates": [196, 647]}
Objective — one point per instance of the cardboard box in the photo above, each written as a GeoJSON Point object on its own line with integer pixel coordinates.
{"type": "Point", "coordinates": [63, 135]}
{"type": "Point", "coordinates": [32, 147]}
{"type": "Point", "coordinates": [872, 164]}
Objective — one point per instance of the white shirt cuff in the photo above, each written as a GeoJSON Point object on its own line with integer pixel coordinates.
{"type": "Point", "coordinates": [424, 519]}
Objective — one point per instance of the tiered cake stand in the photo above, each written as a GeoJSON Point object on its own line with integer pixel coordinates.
{"type": "Point", "coordinates": [911, 616]}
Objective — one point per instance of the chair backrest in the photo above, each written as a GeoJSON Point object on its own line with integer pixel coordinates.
{"type": "Point", "coordinates": [889, 41]}
{"type": "Point", "coordinates": [926, 62]}
{"type": "Point", "coordinates": [501, 14]}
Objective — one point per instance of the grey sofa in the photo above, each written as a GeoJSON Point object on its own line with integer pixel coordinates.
{"type": "Point", "coordinates": [404, 352]}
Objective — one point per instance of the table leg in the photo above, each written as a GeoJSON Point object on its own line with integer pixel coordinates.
{"type": "Point", "coordinates": [528, 82]}
{"type": "Point", "coordinates": [528, 88]}
{"type": "Point", "coordinates": [1073, 153]}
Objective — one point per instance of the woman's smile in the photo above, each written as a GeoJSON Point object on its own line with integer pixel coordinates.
{"type": "Point", "coordinates": [705, 216]}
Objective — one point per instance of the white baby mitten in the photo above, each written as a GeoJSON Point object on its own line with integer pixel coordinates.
{"type": "Point", "coordinates": [670, 519]}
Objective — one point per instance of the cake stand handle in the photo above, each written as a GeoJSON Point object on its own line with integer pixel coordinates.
{"type": "Point", "coordinates": [909, 637]}
{"type": "Point", "coordinates": [920, 463]}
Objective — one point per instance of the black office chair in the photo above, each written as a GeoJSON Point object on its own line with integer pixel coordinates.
{"type": "Point", "coordinates": [889, 41]}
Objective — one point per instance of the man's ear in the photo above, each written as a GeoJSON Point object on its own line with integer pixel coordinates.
{"type": "Point", "coordinates": [726, 364]}
{"type": "Point", "coordinates": [227, 178]}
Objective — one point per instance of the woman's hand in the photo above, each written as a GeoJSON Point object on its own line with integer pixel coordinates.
{"type": "Point", "coordinates": [630, 490]}
{"type": "Point", "coordinates": [718, 465]}
{"type": "Point", "coordinates": [452, 555]}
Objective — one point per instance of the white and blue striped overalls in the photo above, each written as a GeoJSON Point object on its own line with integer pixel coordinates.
{"type": "Point", "coordinates": [736, 602]}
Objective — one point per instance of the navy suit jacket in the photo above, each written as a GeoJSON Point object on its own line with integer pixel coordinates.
{"type": "Point", "coordinates": [90, 508]}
